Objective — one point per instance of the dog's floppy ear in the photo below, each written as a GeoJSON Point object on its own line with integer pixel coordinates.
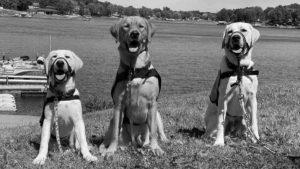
{"type": "Point", "coordinates": [115, 30]}
{"type": "Point", "coordinates": [48, 62]}
{"type": "Point", "coordinates": [77, 62]}
{"type": "Point", "coordinates": [255, 35]}
{"type": "Point", "coordinates": [150, 29]}
{"type": "Point", "coordinates": [224, 38]}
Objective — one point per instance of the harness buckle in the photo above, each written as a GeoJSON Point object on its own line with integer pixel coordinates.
{"type": "Point", "coordinates": [241, 96]}
{"type": "Point", "coordinates": [235, 84]}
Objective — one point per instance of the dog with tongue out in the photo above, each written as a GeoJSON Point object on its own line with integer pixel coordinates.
{"type": "Point", "coordinates": [135, 90]}
{"type": "Point", "coordinates": [62, 112]}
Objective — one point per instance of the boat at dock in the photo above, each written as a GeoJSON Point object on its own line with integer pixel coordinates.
{"type": "Point", "coordinates": [23, 75]}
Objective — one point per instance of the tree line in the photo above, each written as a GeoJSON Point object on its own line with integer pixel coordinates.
{"type": "Point", "coordinates": [98, 8]}
{"type": "Point", "coordinates": [282, 15]}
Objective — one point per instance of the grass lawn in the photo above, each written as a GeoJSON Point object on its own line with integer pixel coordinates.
{"type": "Point", "coordinates": [279, 126]}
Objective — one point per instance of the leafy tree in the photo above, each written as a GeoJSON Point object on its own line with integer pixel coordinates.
{"type": "Point", "coordinates": [266, 11]}
{"type": "Point", "coordinates": [279, 15]}
{"type": "Point", "coordinates": [110, 8]}
{"type": "Point", "coordinates": [120, 9]}
{"type": "Point", "coordinates": [185, 14]}
{"type": "Point", "coordinates": [130, 11]}
{"type": "Point", "coordinates": [225, 15]}
{"type": "Point", "coordinates": [10, 4]}
{"type": "Point", "coordinates": [23, 5]}
{"type": "Point", "coordinates": [167, 12]}
{"type": "Point", "coordinates": [96, 9]}
{"type": "Point", "coordinates": [65, 6]}
{"type": "Point", "coordinates": [177, 15]}
{"type": "Point", "coordinates": [296, 17]}
{"type": "Point", "coordinates": [145, 12]}
{"type": "Point", "coordinates": [157, 12]}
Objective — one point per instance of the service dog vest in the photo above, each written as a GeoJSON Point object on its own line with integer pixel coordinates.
{"type": "Point", "coordinates": [65, 97]}
{"type": "Point", "coordinates": [214, 94]}
{"type": "Point", "coordinates": [143, 73]}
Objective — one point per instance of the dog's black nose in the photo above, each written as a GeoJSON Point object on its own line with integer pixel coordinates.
{"type": "Point", "coordinates": [134, 34]}
{"type": "Point", "coordinates": [60, 63]}
{"type": "Point", "coordinates": [236, 38]}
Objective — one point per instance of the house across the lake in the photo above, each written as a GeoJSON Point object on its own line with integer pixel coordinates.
{"type": "Point", "coordinates": [49, 10]}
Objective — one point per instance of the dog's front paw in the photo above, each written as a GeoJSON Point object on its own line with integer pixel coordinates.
{"type": "Point", "coordinates": [219, 143]}
{"type": "Point", "coordinates": [106, 152]}
{"type": "Point", "coordinates": [89, 157]}
{"type": "Point", "coordinates": [157, 151]}
{"type": "Point", "coordinates": [164, 139]}
{"type": "Point", "coordinates": [39, 160]}
{"type": "Point", "coordinates": [254, 139]}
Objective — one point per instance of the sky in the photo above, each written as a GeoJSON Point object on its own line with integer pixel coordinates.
{"type": "Point", "coordinates": [201, 5]}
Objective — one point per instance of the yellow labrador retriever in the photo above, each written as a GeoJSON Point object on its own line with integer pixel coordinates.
{"type": "Point", "coordinates": [61, 67]}
{"type": "Point", "coordinates": [224, 113]}
{"type": "Point", "coordinates": [136, 89]}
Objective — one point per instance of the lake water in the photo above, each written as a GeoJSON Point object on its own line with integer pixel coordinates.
{"type": "Point", "coordinates": [187, 55]}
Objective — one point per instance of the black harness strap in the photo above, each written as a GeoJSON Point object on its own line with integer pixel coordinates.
{"type": "Point", "coordinates": [214, 95]}
{"type": "Point", "coordinates": [63, 98]}
{"type": "Point", "coordinates": [143, 73]}
{"type": "Point", "coordinates": [238, 69]}
{"type": "Point", "coordinates": [245, 72]}
{"type": "Point", "coordinates": [66, 97]}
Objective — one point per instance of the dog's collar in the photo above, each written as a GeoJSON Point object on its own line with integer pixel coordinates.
{"type": "Point", "coordinates": [59, 94]}
{"type": "Point", "coordinates": [230, 64]}
{"type": "Point", "coordinates": [63, 96]}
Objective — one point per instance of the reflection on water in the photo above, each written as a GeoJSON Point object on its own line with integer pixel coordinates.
{"type": "Point", "coordinates": [28, 105]}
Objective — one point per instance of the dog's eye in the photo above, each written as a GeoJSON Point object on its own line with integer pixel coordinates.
{"type": "Point", "coordinates": [68, 57]}
{"type": "Point", "coordinates": [244, 30]}
{"type": "Point", "coordinates": [229, 32]}
{"type": "Point", "coordinates": [141, 26]}
{"type": "Point", "coordinates": [54, 56]}
{"type": "Point", "coordinates": [126, 25]}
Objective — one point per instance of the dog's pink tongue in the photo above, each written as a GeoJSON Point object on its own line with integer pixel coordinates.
{"type": "Point", "coordinates": [131, 49]}
{"type": "Point", "coordinates": [60, 77]}
{"type": "Point", "coordinates": [237, 51]}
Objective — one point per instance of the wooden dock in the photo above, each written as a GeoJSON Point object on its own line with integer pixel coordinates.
{"type": "Point", "coordinates": [30, 84]}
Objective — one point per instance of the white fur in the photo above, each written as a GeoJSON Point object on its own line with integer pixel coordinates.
{"type": "Point", "coordinates": [69, 113]}
{"type": "Point", "coordinates": [228, 101]}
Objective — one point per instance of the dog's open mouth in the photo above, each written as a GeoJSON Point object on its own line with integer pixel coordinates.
{"type": "Point", "coordinates": [237, 48]}
{"type": "Point", "coordinates": [133, 46]}
{"type": "Point", "coordinates": [60, 75]}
